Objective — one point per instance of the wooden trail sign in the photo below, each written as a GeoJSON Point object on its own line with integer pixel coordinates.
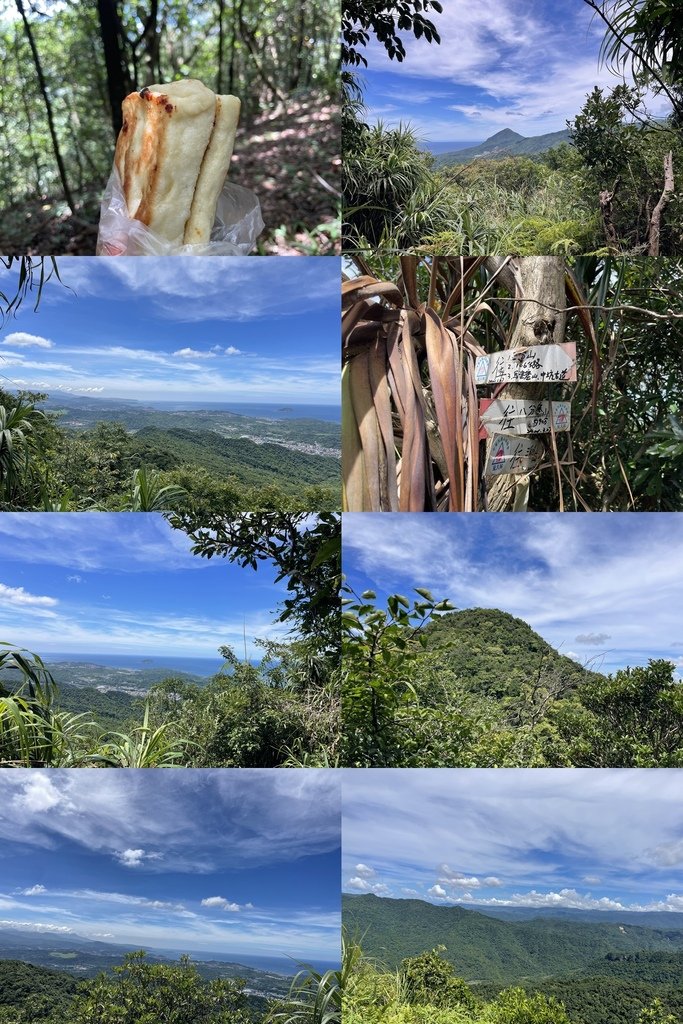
{"type": "Point", "coordinates": [516, 416]}
{"type": "Point", "coordinates": [537, 363]}
{"type": "Point", "coordinates": [513, 455]}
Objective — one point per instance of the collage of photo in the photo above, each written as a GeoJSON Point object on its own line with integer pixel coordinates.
{"type": "Point", "coordinates": [277, 745]}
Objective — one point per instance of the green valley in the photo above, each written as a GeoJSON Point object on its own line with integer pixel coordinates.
{"type": "Point", "coordinates": [542, 970]}
{"type": "Point", "coordinates": [74, 454]}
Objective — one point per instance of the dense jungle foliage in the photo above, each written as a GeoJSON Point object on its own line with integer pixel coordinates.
{"type": "Point", "coordinates": [424, 686]}
{"type": "Point", "coordinates": [612, 190]}
{"type": "Point", "coordinates": [283, 712]}
{"type": "Point", "coordinates": [427, 989]}
{"type": "Point", "coordinates": [139, 992]}
{"type": "Point", "coordinates": [407, 447]}
{"type": "Point", "coordinates": [280, 59]}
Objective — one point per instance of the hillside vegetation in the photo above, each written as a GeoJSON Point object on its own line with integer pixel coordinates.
{"type": "Point", "coordinates": [425, 686]}
{"type": "Point", "coordinates": [142, 991]}
{"type": "Point", "coordinates": [202, 464]}
{"type": "Point", "coordinates": [426, 989]}
{"type": "Point", "coordinates": [481, 948]}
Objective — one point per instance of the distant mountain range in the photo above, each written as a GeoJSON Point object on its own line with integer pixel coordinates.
{"type": "Point", "coordinates": [484, 948]}
{"type": "Point", "coordinates": [84, 958]}
{"type": "Point", "coordinates": [504, 143]}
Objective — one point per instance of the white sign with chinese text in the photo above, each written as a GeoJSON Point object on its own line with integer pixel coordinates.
{"type": "Point", "coordinates": [537, 363]}
{"type": "Point", "coordinates": [510, 454]}
{"type": "Point", "coordinates": [515, 416]}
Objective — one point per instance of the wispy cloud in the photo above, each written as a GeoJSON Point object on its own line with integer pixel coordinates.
{"type": "Point", "coordinates": [592, 839]}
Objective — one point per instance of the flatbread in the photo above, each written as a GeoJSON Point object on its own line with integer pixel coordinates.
{"type": "Point", "coordinates": [213, 171]}
{"type": "Point", "coordinates": [159, 152]}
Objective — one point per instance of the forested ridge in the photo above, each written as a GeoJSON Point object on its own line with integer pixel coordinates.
{"type": "Point", "coordinates": [58, 135]}
{"type": "Point", "coordinates": [483, 948]}
{"type": "Point", "coordinates": [425, 686]}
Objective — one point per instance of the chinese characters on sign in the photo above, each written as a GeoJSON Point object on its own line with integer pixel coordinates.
{"type": "Point", "coordinates": [515, 416]}
{"type": "Point", "coordinates": [537, 363]}
{"type": "Point", "coordinates": [510, 454]}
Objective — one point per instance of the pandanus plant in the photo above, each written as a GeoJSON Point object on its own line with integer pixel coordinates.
{"type": "Point", "coordinates": [410, 419]}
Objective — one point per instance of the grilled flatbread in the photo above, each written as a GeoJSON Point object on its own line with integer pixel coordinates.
{"type": "Point", "coordinates": [213, 171]}
{"type": "Point", "coordinates": [166, 151]}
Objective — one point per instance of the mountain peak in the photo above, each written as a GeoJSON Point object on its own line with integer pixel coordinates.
{"type": "Point", "coordinates": [506, 136]}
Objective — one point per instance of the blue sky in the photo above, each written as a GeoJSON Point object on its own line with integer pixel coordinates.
{"type": "Point", "coordinates": [605, 590]}
{"type": "Point", "coordinates": [520, 64]}
{"type": "Point", "coordinates": [586, 838]}
{"type": "Point", "coordinates": [217, 330]}
{"type": "Point", "coordinates": [126, 583]}
{"type": "Point", "coordinates": [230, 861]}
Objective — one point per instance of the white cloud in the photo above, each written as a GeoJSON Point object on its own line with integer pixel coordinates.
{"type": "Point", "coordinates": [35, 890]}
{"type": "Point", "coordinates": [192, 353]}
{"type": "Point", "coordinates": [18, 596]}
{"type": "Point", "coordinates": [221, 903]}
{"type": "Point", "coordinates": [38, 794]}
{"type": "Point", "coordinates": [34, 926]}
{"type": "Point", "coordinates": [362, 885]}
{"type": "Point", "coordinates": [438, 892]}
{"type": "Point", "coordinates": [232, 351]}
{"type": "Point", "coordinates": [74, 579]}
{"type": "Point", "coordinates": [364, 871]}
{"type": "Point", "coordinates": [134, 858]}
{"type": "Point", "coordinates": [22, 340]}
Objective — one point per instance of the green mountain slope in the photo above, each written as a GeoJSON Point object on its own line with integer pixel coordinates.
{"type": "Point", "coordinates": [495, 653]}
{"type": "Point", "coordinates": [483, 948]}
{"type": "Point", "coordinates": [504, 143]}
{"type": "Point", "coordinates": [252, 463]}
{"type": "Point", "coordinates": [25, 986]}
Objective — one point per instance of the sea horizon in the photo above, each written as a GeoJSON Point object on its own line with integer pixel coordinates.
{"type": "Point", "coordinates": [204, 667]}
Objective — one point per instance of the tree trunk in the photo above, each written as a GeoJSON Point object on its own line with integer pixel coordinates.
{"type": "Point", "coordinates": [542, 291]}
{"type": "Point", "coordinates": [48, 107]}
{"type": "Point", "coordinates": [606, 198]}
{"type": "Point", "coordinates": [150, 46]}
{"type": "Point", "coordinates": [118, 78]}
{"type": "Point", "coordinates": [221, 44]}
{"type": "Point", "coordinates": [27, 112]}
{"type": "Point", "coordinates": [666, 196]}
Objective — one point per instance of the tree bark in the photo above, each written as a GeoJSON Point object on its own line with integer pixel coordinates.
{"type": "Point", "coordinates": [666, 196]}
{"type": "Point", "coordinates": [118, 79]}
{"type": "Point", "coordinates": [48, 107]}
{"type": "Point", "coordinates": [542, 291]}
{"type": "Point", "coordinates": [606, 198]}
{"type": "Point", "coordinates": [221, 44]}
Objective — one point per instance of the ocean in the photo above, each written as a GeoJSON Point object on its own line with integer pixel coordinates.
{"type": "Point", "coordinates": [271, 411]}
{"type": "Point", "coordinates": [278, 964]}
{"type": "Point", "coordinates": [197, 666]}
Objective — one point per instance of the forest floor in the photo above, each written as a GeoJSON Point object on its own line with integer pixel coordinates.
{"type": "Point", "coordinates": [290, 157]}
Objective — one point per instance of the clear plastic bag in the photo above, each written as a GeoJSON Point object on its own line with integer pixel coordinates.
{"type": "Point", "coordinates": [237, 225]}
